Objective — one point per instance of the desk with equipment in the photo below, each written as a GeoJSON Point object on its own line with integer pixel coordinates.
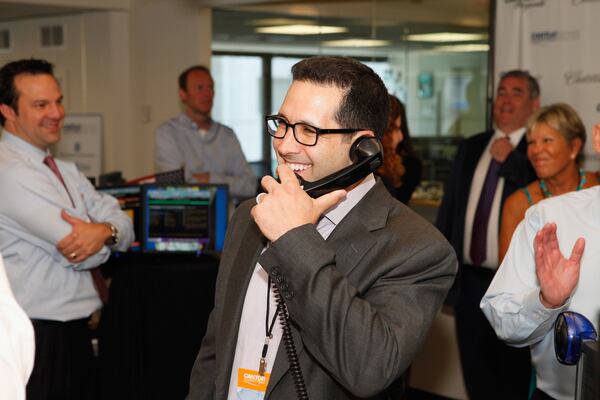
{"type": "Point", "coordinates": [161, 292]}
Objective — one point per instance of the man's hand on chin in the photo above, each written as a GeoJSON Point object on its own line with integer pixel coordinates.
{"type": "Point", "coordinates": [285, 206]}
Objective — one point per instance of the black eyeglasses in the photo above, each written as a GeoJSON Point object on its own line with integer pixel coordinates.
{"type": "Point", "coordinates": [304, 134]}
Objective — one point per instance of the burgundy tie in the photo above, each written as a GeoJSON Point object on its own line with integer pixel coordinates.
{"type": "Point", "coordinates": [482, 215]}
{"type": "Point", "coordinates": [99, 282]}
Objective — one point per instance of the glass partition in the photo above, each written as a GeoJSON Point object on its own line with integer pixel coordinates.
{"type": "Point", "coordinates": [437, 67]}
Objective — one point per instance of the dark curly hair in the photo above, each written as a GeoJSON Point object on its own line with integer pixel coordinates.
{"type": "Point", "coordinates": [392, 168]}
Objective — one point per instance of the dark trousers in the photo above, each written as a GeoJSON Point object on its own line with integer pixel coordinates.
{"type": "Point", "coordinates": [64, 361]}
{"type": "Point", "coordinates": [491, 369]}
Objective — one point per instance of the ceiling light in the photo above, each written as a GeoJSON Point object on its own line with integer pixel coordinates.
{"type": "Point", "coordinates": [356, 43]}
{"type": "Point", "coordinates": [278, 21]}
{"type": "Point", "coordinates": [301, 29]}
{"type": "Point", "coordinates": [446, 37]}
{"type": "Point", "coordinates": [463, 48]}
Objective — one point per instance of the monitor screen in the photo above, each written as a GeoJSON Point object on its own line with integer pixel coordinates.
{"type": "Point", "coordinates": [129, 197]}
{"type": "Point", "coordinates": [184, 218]}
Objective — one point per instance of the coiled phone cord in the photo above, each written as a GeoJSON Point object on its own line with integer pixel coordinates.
{"type": "Point", "coordinates": [290, 347]}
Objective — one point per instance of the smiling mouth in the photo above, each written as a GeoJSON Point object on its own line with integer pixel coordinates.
{"type": "Point", "coordinates": [53, 128]}
{"type": "Point", "coordinates": [298, 167]}
{"type": "Point", "coordinates": [539, 162]}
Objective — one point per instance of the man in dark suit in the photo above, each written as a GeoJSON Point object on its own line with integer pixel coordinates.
{"type": "Point", "coordinates": [362, 276]}
{"type": "Point", "coordinates": [487, 169]}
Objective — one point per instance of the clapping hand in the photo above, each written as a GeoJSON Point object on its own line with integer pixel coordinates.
{"type": "Point", "coordinates": [557, 275]}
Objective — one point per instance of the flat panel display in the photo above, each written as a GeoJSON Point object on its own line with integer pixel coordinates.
{"type": "Point", "coordinates": [184, 218]}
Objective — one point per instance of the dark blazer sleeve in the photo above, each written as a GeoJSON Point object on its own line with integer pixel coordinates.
{"type": "Point", "coordinates": [446, 217]}
{"type": "Point", "coordinates": [363, 301]}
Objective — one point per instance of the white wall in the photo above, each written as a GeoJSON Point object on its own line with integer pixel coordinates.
{"type": "Point", "coordinates": [68, 59]}
{"type": "Point", "coordinates": [123, 64]}
{"type": "Point", "coordinates": [167, 36]}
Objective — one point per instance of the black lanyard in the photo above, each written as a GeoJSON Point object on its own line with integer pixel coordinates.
{"type": "Point", "coordinates": [262, 365]}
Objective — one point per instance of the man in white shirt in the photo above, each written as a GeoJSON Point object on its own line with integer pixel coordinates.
{"type": "Point", "coordinates": [55, 230]}
{"type": "Point", "coordinates": [536, 282]}
{"type": "Point", "coordinates": [488, 168]}
{"type": "Point", "coordinates": [208, 151]}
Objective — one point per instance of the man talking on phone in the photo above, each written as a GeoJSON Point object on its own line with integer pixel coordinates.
{"type": "Point", "coordinates": [361, 275]}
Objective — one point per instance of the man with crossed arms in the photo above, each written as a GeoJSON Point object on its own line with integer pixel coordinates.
{"type": "Point", "coordinates": [54, 228]}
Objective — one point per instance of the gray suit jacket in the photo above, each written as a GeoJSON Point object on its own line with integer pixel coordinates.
{"type": "Point", "coordinates": [360, 302]}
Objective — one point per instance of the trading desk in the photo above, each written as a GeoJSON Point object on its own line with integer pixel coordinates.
{"type": "Point", "coordinates": [152, 327]}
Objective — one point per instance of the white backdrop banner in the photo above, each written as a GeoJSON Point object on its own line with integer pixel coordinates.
{"type": "Point", "coordinates": [558, 42]}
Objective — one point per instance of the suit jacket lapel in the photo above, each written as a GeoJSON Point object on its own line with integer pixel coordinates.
{"type": "Point", "coordinates": [352, 238]}
{"type": "Point", "coordinates": [473, 155]}
{"type": "Point", "coordinates": [244, 261]}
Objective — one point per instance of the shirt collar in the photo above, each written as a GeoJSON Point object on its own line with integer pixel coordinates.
{"type": "Point", "coordinates": [187, 120]}
{"type": "Point", "coordinates": [337, 213]}
{"type": "Point", "coordinates": [514, 136]}
{"type": "Point", "coordinates": [25, 148]}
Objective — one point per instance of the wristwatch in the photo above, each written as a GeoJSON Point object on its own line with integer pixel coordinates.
{"type": "Point", "coordinates": [114, 235]}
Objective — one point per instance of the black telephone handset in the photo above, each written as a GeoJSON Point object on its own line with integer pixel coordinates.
{"type": "Point", "coordinates": [366, 154]}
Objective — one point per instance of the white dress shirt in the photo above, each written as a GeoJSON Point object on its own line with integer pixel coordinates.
{"type": "Point", "coordinates": [491, 260]}
{"type": "Point", "coordinates": [251, 334]}
{"type": "Point", "coordinates": [17, 344]}
{"type": "Point", "coordinates": [512, 303]}
{"type": "Point", "coordinates": [45, 283]}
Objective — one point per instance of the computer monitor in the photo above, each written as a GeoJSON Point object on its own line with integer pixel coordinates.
{"type": "Point", "coordinates": [184, 218]}
{"type": "Point", "coordinates": [130, 199]}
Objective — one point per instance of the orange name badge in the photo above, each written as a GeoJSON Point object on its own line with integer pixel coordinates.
{"type": "Point", "coordinates": [252, 380]}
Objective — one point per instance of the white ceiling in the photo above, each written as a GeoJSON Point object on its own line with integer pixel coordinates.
{"type": "Point", "coordinates": [469, 13]}
{"type": "Point", "coordinates": [235, 21]}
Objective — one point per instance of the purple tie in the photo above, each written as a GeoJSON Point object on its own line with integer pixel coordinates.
{"type": "Point", "coordinates": [482, 214]}
{"type": "Point", "coordinates": [99, 282]}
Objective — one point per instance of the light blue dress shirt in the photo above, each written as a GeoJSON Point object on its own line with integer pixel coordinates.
{"type": "Point", "coordinates": [512, 302]}
{"type": "Point", "coordinates": [178, 143]}
{"type": "Point", "coordinates": [46, 284]}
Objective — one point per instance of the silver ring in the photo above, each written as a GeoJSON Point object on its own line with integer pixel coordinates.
{"type": "Point", "coordinates": [258, 196]}
{"type": "Point", "coordinates": [73, 255]}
